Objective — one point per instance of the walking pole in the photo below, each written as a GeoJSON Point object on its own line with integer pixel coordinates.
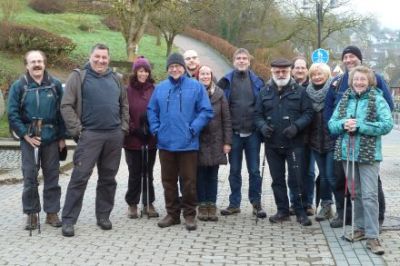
{"type": "Point", "coordinates": [346, 191]}
{"type": "Point", "coordinates": [147, 180]}
{"type": "Point", "coordinates": [262, 178]}
{"type": "Point", "coordinates": [142, 181]}
{"type": "Point", "coordinates": [353, 191]}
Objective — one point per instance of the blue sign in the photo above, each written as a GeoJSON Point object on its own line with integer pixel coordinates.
{"type": "Point", "coordinates": [320, 56]}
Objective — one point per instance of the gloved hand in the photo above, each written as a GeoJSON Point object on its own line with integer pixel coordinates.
{"type": "Point", "coordinates": [267, 131]}
{"type": "Point", "coordinates": [290, 132]}
{"type": "Point", "coordinates": [144, 123]}
{"type": "Point", "coordinates": [139, 133]}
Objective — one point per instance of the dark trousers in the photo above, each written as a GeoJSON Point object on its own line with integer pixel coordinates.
{"type": "Point", "coordinates": [184, 165]}
{"type": "Point", "coordinates": [340, 189]}
{"type": "Point", "coordinates": [49, 162]}
{"type": "Point", "coordinates": [139, 170]}
{"type": "Point", "coordinates": [276, 160]}
{"type": "Point", "coordinates": [207, 184]}
{"type": "Point", "coordinates": [101, 148]}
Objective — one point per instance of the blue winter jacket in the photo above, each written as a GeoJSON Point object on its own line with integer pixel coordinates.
{"type": "Point", "coordinates": [335, 93]}
{"type": "Point", "coordinates": [177, 112]}
{"type": "Point", "coordinates": [357, 107]}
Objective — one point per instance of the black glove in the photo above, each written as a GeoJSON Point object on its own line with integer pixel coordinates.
{"type": "Point", "coordinates": [267, 131]}
{"type": "Point", "coordinates": [76, 139]}
{"type": "Point", "coordinates": [144, 123]}
{"type": "Point", "coordinates": [290, 131]}
{"type": "Point", "coordinates": [140, 134]}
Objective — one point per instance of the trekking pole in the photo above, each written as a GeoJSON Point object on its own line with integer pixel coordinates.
{"type": "Point", "coordinates": [39, 133]}
{"type": "Point", "coordinates": [353, 191]}
{"type": "Point", "coordinates": [142, 181]}
{"type": "Point", "coordinates": [346, 191]}
{"type": "Point", "coordinates": [147, 181]}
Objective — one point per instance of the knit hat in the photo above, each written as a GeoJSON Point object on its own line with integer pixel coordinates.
{"type": "Point", "coordinates": [141, 61]}
{"type": "Point", "coordinates": [176, 58]}
{"type": "Point", "coordinates": [352, 50]}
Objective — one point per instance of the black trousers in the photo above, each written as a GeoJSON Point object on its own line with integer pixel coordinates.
{"type": "Point", "coordinates": [139, 166]}
{"type": "Point", "coordinates": [340, 189]}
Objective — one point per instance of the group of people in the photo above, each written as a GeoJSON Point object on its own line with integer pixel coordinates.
{"type": "Point", "coordinates": [302, 115]}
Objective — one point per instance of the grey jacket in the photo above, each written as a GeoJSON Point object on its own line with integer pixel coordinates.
{"type": "Point", "coordinates": [71, 105]}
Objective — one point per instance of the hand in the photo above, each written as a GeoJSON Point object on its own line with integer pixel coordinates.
{"type": "Point", "coordinates": [61, 144]}
{"type": "Point", "coordinates": [140, 134]}
{"type": "Point", "coordinates": [33, 141]}
{"type": "Point", "coordinates": [290, 132]}
{"type": "Point", "coordinates": [226, 148]}
{"type": "Point", "coordinates": [350, 125]}
{"type": "Point", "coordinates": [267, 131]}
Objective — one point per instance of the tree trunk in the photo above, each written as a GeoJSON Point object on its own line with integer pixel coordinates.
{"type": "Point", "coordinates": [158, 42]}
{"type": "Point", "coordinates": [136, 31]}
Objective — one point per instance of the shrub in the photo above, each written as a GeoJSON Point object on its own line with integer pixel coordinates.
{"type": "Point", "coordinates": [47, 6]}
{"type": "Point", "coordinates": [85, 27]}
{"type": "Point", "coordinates": [112, 23]}
{"type": "Point", "coordinates": [20, 39]}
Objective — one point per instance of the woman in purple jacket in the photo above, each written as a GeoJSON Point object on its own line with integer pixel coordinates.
{"type": "Point", "coordinates": [140, 89]}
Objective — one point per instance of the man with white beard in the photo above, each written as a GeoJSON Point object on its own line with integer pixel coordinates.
{"type": "Point", "coordinates": [283, 110]}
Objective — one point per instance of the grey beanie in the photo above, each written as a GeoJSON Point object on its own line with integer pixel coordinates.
{"type": "Point", "coordinates": [176, 58]}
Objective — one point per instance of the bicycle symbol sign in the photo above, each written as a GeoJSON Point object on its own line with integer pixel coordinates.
{"type": "Point", "coordinates": [320, 56]}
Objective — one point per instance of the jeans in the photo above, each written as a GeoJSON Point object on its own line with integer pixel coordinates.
{"type": "Point", "coordinates": [251, 147]}
{"type": "Point", "coordinates": [366, 205]}
{"type": "Point", "coordinates": [327, 177]}
{"type": "Point", "coordinates": [207, 183]}
{"type": "Point", "coordinates": [277, 159]}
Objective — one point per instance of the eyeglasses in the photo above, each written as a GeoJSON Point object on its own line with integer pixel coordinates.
{"type": "Point", "coordinates": [190, 57]}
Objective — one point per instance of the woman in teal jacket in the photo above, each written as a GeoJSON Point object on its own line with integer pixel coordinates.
{"type": "Point", "coordinates": [361, 118]}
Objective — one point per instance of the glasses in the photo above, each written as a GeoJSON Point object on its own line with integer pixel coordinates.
{"type": "Point", "coordinates": [190, 57]}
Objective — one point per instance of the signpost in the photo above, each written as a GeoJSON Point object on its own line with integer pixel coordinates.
{"type": "Point", "coordinates": [320, 56]}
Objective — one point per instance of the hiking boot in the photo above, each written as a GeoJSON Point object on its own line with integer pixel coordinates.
{"type": "Point", "coordinates": [168, 221]}
{"type": "Point", "coordinates": [358, 235]}
{"type": "Point", "coordinates": [375, 246]}
{"type": "Point", "coordinates": [104, 223]}
{"type": "Point", "coordinates": [230, 211]}
{"type": "Point", "coordinates": [324, 213]}
{"type": "Point", "coordinates": [133, 211]}
{"type": "Point", "coordinates": [279, 217]}
{"type": "Point", "coordinates": [152, 211]}
{"type": "Point", "coordinates": [303, 219]}
{"type": "Point", "coordinates": [337, 222]}
{"type": "Point", "coordinates": [291, 211]}
{"type": "Point", "coordinates": [258, 210]}
{"type": "Point", "coordinates": [309, 211]}
{"type": "Point", "coordinates": [68, 230]}
{"type": "Point", "coordinates": [190, 223]}
{"type": "Point", "coordinates": [203, 212]}
{"type": "Point", "coordinates": [34, 225]}
{"type": "Point", "coordinates": [53, 220]}
{"type": "Point", "coordinates": [212, 212]}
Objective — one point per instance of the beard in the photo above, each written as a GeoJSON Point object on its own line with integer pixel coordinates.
{"type": "Point", "coordinates": [281, 82]}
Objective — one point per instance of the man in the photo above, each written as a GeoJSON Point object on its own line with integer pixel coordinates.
{"type": "Point", "coordinates": [34, 114]}
{"type": "Point", "coordinates": [351, 58]}
{"type": "Point", "coordinates": [283, 111]}
{"type": "Point", "coordinates": [300, 75]}
{"type": "Point", "coordinates": [95, 110]}
{"type": "Point", "coordinates": [178, 110]}
{"type": "Point", "coordinates": [241, 87]}
{"type": "Point", "coordinates": [192, 62]}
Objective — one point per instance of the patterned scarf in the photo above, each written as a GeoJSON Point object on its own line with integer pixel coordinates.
{"type": "Point", "coordinates": [318, 96]}
{"type": "Point", "coordinates": [367, 143]}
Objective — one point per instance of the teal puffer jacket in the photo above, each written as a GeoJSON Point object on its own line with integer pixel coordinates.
{"type": "Point", "coordinates": [357, 107]}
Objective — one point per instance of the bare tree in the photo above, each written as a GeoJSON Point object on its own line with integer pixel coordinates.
{"type": "Point", "coordinates": [9, 9]}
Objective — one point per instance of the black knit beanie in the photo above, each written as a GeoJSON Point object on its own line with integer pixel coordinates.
{"type": "Point", "coordinates": [176, 58]}
{"type": "Point", "coordinates": [352, 50]}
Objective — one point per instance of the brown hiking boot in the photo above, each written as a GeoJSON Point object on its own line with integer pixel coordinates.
{"type": "Point", "coordinates": [53, 220]}
{"type": "Point", "coordinates": [133, 212]}
{"type": "Point", "coordinates": [152, 211]}
{"type": "Point", "coordinates": [168, 221]}
{"type": "Point", "coordinates": [230, 211]}
{"type": "Point", "coordinates": [309, 211]}
{"type": "Point", "coordinates": [212, 212]}
{"type": "Point", "coordinates": [190, 223]}
{"type": "Point", "coordinates": [375, 246]}
{"type": "Point", "coordinates": [203, 212]}
{"type": "Point", "coordinates": [34, 225]}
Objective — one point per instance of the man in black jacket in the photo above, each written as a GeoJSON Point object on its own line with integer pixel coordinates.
{"type": "Point", "coordinates": [283, 110]}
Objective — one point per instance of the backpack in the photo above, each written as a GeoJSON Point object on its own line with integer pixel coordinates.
{"type": "Point", "coordinates": [82, 75]}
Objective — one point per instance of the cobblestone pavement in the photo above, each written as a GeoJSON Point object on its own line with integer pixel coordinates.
{"type": "Point", "coordinates": [231, 240]}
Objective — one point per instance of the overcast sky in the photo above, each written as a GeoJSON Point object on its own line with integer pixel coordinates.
{"type": "Point", "coordinates": [387, 11]}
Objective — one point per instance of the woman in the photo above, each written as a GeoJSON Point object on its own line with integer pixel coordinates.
{"type": "Point", "coordinates": [319, 139]}
{"type": "Point", "coordinates": [362, 117]}
{"type": "Point", "coordinates": [215, 143]}
{"type": "Point", "coordinates": [140, 89]}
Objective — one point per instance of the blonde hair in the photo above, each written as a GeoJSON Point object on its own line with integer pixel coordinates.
{"type": "Point", "coordinates": [365, 70]}
{"type": "Point", "coordinates": [324, 68]}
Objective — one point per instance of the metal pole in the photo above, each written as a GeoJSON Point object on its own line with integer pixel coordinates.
{"type": "Point", "coordinates": [319, 21]}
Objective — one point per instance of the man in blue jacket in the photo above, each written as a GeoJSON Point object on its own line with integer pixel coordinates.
{"type": "Point", "coordinates": [178, 110]}
{"type": "Point", "coordinates": [241, 87]}
{"type": "Point", "coordinates": [351, 58]}
{"type": "Point", "coordinates": [34, 114]}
